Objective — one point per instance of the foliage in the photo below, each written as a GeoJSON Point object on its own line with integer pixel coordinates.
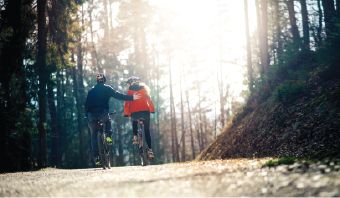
{"type": "Point", "coordinates": [329, 54]}
{"type": "Point", "coordinates": [303, 162]}
{"type": "Point", "coordinates": [289, 91]}
{"type": "Point", "coordinates": [280, 161]}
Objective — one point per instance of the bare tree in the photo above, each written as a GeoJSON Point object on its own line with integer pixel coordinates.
{"type": "Point", "coordinates": [94, 55]}
{"type": "Point", "coordinates": [182, 120]}
{"type": "Point", "coordinates": [200, 130]}
{"type": "Point", "coordinates": [190, 126]}
{"type": "Point", "coordinates": [221, 92]}
{"type": "Point", "coordinates": [262, 24]}
{"type": "Point", "coordinates": [174, 140]}
{"type": "Point", "coordinates": [249, 56]}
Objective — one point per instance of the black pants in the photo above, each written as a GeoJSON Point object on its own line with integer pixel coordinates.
{"type": "Point", "coordinates": [146, 117]}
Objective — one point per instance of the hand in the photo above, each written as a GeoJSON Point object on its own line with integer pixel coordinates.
{"type": "Point", "coordinates": [137, 96]}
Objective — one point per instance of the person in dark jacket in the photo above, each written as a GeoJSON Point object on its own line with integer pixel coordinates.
{"type": "Point", "coordinates": [97, 108]}
{"type": "Point", "coordinates": [140, 108]}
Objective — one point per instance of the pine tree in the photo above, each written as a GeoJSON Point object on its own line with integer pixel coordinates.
{"type": "Point", "coordinates": [41, 65]}
{"type": "Point", "coordinates": [305, 24]}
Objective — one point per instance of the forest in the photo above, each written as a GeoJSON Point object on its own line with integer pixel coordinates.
{"type": "Point", "coordinates": [205, 62]}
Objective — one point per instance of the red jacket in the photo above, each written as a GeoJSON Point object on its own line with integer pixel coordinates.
{"type": "Point", "coordinates": [142, 104]}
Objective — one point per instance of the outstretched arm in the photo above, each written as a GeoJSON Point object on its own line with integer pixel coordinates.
{"type": "Point", "coordinates": [120, 96]}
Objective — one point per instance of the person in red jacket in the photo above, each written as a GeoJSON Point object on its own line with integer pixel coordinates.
{"type": "Point", "coordinates": [140, 108]}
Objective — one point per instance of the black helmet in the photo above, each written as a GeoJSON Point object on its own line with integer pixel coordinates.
{"type": "Point", "coordinates": [132, 79]}
{"type": "Point", "coordinates": [100, 78]}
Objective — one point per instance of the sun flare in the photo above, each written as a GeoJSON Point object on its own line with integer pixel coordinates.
{"type": "Point", "coordinates": [208, 43]}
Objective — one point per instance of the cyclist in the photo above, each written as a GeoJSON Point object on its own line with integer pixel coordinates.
{"type": "Point", "coordinates": [97, 108]}
{"type": "Point", "coordinates": [139, 109]}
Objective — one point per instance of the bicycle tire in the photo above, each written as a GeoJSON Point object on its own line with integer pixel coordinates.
{"type": "Point", "coordinates": [144, 160]}
{"type": "Point", "coordinates": [107, 153]}
{"type": "Point", "coordinates": [101, 150]}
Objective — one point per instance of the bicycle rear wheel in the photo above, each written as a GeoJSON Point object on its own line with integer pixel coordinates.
{"type": "Point", "coordinates": [141, 149]}
{"type": "Point", "coordinates": [107, 153]}
{"type": "Point", "coordinates": [101, 149]}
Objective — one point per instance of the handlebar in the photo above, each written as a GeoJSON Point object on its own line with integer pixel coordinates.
{"type": "Point", "coordinates": [113, 113]}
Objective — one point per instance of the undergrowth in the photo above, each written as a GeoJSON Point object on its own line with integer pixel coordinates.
{"type": "Point", "coordinates": [289, 160]}
{"type": "Point", "coordinates": [280, 161]}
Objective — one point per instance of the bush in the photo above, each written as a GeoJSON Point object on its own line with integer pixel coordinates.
{"type": "Point", "coordinates": [289, 91]}
{"type": "Point", "coordinates": [280, 161]}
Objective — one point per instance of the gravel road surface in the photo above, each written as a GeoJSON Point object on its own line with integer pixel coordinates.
{"type": "Point", "coordinates": [237, 177]}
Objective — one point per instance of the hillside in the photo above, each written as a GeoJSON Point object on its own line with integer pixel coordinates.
{"type": "Point", "coordinates": [305, 125]}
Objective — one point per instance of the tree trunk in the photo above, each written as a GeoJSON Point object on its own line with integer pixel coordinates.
{"type": "Point", "coordinates": [94, 55]}
{"type": "Point", "coordinates": [200, 131]}
{"type": "Point", "coordinates": [79, 124]}
{"type": "Point", "coordinates": [262, 29]}
{"type": "Point", "coordinates": [319, 28]}
{"type": "Point", "coordinates": [172, 120]}
{"type": "Point", "coordinates": [264, 46]}
{"type": "Point", "coordinates": [80, 112]}
{"type": "Point", "coordinates": [54, 122]}
{"type": "Point", "coordinates": [198, 135]}
{"type": "Point", "coordinates": [81, 96]}
{"type": "Point", "coordinates": [215, 121]}
{"type": "Point", "coordinates": [70, 110]}
{"type": "Point", "coordinates": [278, 30]}
{"type": "Point", "coordinates": [191, 130]}
{"type": "Point", "coordinates": [41, 64]}
{"type": "Point", "coordinates": [13, 84]}
{"type": "Point", "coordinates": [221, 92]}
{"type": "Point", "coordinates": [54, 31]}
{"type": "Point", "coordinates": [174, 140]}
{"type": "Point", "coordinates": [106, 22]}
{"type": "Point", "coordinates": [60, 112]}
{"type": "Point", "coordinates": [294, 28]}
{"type": "Point", "coordinates": [182, 121]}
{"type": "Point", "coordinates": [157, 102]}
{"type": "Point", "coordinates": [205, 134]}
{"type": "Point", "coordinates": [248, 42]}
{"type": "Point", "coordinates": [305, 25]}
{"type": "Point", "coordinates": [329, 16]}
{"type": "Point", "coordinates": [338, 8]}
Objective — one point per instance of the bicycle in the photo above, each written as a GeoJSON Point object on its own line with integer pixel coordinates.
{"type": "Point", "coordinates": [104, 149]}
{"type": "Point", "coordinates": [143, 151]}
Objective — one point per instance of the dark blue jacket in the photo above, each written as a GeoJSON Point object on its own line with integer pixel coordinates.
{"type": "Point", "coordinates": [98, 98]}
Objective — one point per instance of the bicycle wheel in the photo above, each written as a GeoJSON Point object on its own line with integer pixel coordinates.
{"type": "Point", "coordinates": [101, 150]}
{"type": "Point", "coordinates": [141, 151]}
{"type": "Point", "coordinates": [145, 153]}
{"type": "Point", "coordinates": [107, 152]}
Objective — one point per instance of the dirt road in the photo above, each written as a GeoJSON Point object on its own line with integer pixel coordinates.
{"type": "Point", "coordinates": [240, 177]}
